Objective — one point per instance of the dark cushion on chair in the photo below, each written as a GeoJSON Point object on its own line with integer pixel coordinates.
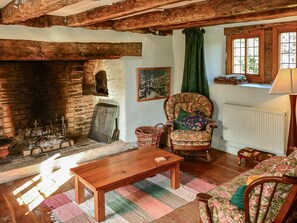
{"type": "Point", "coordinates": [191, 121]}
{"type": "Point", "coordinates": [177, 122]}
{"type": "Point", "coordinates": [237, 198]}
{"type": "Point", "coordinates": [195, 122]}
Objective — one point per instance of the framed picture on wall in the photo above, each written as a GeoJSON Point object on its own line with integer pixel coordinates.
{"type": "Point", "coordinates": [153, 83]}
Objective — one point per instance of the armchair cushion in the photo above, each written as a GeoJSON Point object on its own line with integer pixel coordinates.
{"type": "Point", "coordinates": [190, 136]}
{"type": "Point", "coordinates": [224, 211]}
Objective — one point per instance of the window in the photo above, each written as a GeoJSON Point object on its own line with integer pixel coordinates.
{"type": "Point", "coordinates": [287, 50]}
{"type": "Point", "coordinates": [245, 55]}
{"type": "Point", "coordinates": [284, 47]}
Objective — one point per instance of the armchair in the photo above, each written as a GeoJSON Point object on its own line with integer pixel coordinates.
{"type": "Point", "coordinates": [185, 139]}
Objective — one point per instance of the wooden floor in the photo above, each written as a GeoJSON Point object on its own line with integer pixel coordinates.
{"type": "Point", "coordinates": [21, 198]}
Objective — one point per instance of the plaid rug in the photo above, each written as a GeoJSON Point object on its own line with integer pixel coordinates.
{"type": "Point", "coordinates": [144, 201]}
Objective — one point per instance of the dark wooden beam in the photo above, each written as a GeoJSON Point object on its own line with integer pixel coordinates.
{"type": "Point", "coordinates": [45, 21]}
{"type": "Point", "coordinates": [271, 14]}
{"type": "Point", "coordinates": [49, 21]}
{"type": "Point", "coordinates": [116, 10]}
{"type": "Point", "coordinates": [31, 9]}
{"type": "Point", "coordinates": [26, 50]}
{"type": "Point", "coordinates": [203, 11]}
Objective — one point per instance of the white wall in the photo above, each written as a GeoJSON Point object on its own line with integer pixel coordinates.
{"type": "Point", "coordinates": [215, 48]}
{"type": "Point", "coordinates": [157, 51]}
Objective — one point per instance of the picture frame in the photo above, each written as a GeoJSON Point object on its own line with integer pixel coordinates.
{"type": "Point", "coordinates": [153, 83]}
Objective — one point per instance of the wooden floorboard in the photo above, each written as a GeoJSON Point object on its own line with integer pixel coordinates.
{"type": "Point", "coordinates": [35, 188]}
{"type": "Point", "coordinates": [5, 215]}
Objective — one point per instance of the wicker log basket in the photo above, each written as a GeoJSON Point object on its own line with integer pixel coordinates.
{"type": "Point", "coordinates": [149, 136]}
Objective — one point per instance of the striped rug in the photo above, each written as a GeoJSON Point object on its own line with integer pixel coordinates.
{"type": "Point", "coordinates": [143, 201]}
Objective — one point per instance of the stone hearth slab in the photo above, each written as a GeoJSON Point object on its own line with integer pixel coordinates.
{"type": "Point", "coordinates": [84, 150]}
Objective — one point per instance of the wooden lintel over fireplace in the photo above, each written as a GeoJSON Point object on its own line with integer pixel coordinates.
{"type": "Point", "coordinates": [28, 50]}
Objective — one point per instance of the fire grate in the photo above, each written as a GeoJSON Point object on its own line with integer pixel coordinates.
{"type": "Point", "coordinates": [41, 138]}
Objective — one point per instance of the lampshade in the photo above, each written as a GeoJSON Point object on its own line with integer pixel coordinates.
{"type": "Point", "coordinates": [285, 82]}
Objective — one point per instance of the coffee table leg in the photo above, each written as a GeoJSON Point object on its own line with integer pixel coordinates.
{"type": "Point", "coordinates": [99, 205]}
{"type": "Point", "coordinates": [79, 191]}
{"type": "Point", "coordinates": [175, 175]}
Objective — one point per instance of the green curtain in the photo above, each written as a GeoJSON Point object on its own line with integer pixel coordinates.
{"type": "Point", "coordinates": [195, 78]}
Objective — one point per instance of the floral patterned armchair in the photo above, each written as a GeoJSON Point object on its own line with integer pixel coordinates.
{"type": "Point", "coordinates": [190, 139]}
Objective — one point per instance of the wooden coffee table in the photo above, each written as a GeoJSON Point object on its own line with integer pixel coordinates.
{"type": "Point", "coordinates": [113, 172]}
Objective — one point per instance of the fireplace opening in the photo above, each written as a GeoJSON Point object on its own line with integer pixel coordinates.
{"type": "Point", "coordinates": [42, 106]}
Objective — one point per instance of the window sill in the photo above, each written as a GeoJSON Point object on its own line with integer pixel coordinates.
{"type": "Point", "coordinates": [254, 85]}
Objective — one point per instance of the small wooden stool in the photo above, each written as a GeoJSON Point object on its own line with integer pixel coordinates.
{"type": "Point", "coordinates": [253, 155]}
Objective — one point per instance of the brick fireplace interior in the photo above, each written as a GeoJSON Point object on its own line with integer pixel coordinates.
{"type": "Point", "coordinates": [43, 91]}
{"type": "Point", "coordinates": [39, 95]}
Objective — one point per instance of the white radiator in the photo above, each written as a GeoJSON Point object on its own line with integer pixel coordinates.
{"type": "Point", "coordinates": [254, 127]}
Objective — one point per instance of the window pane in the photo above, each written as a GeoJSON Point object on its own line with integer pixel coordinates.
{"type": "Point", "coordinates": [284, 37]}
{"type": "Point", "coordinates": [292, 48]}
{"type": "Point", "coordinates": [292, 36]}
{"type": "Point", "coordinates": [237, 52]}
{"type": "Point", "coordinates": [236, 69]}
{"type": "Point", "coordinates": [239, 56]}
{"type": "Point", "coordinates": [284, 48]}
{"type": "Point", "coordinates": [288, 50]}
{"type": "Point", "coordinates": [293, 59]}
{"type": "Point", "coordinates": [252, 56]}
{"type": "Point", "coordinates": [284, 58]}
{"type": "Point", "coordinates": [236, 43]}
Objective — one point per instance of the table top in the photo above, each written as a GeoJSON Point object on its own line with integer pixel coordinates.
{"type": "Point", "coordinates": [105, 172]}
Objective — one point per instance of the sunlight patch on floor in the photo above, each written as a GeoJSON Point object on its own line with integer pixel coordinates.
{"type": "Point", "coordinates": [46, 183]}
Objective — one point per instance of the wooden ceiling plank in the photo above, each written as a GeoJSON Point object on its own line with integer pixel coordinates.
{"type": "Point", "coordinates": [116, 10]}
{"type": "Point", "coordinates": [30, 9]}
{"type": "Point", "coordinates": [271, 14]}
{"type": "Point", "coordinates": [200, 12]}
{"type": "Point", "coordinates": [27, 50]}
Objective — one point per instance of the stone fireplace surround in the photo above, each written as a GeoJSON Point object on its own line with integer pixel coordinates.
{"type": "Point", "coordinates": [38, 90]}
{"type": "Point", "coordinates": [55, 86]}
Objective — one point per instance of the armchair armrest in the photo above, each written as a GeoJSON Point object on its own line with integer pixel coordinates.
{"type": "Point", "coordinates": [170, 123]}
{"type": "Point", "coordinates": [203, 197]}
{"type": "Point", "coordinates": [210, 127]}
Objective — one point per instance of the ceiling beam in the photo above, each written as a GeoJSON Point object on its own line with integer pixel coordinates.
{"type": "Point", "coordinates": [49, 21]}
{"type": "Point", "coordinates": [116, 10]}
{"type": "Point", "coordinates": [271, 14]}
{"type": "Point", "coordinates": [30, 9]}
{"type": "Point", "coordinates": [27, 50]}
{"type": "Point", "coordinates": [200, 12]}
{"type": "Point", "coordinates": [45, 21]}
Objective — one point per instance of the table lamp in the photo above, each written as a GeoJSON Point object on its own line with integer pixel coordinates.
{"type": "Point", "coordinates": [286, 83]}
